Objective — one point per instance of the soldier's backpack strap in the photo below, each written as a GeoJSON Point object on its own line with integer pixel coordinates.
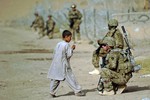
{"type": "Point", "coordinates": [114, 33]}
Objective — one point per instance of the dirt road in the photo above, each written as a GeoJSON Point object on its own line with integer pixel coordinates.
{"type": "Point", "coordinates": [25, 60]}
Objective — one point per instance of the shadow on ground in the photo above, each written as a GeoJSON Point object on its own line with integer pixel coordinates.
{"type": "Point", "coordinates": [72, 93]}
{"type": "Point", "coordinates": [136, 89]}
{"type": "Point", "coordinates": [129, 89]}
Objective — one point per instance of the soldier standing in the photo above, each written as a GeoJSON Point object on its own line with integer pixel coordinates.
{"type": "Point", "coordinates": [75, 16]}
{"type": "Point", "coordinates": [50, 25]}
{"type": "Point", "coordinates": [38, 23]}
{"type": "Point", "coordinates": [119, 41]}
{"type": "Point", "coordinates": [117, 72]}
{"type": "Point", "coordinates": [146, 5]}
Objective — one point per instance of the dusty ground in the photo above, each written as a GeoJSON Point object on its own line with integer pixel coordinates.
{"type": "Point", "coordinates": [25, 60]}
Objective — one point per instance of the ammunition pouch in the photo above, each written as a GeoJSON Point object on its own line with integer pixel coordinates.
{"type": "Point", "coordinates": [49, 31]}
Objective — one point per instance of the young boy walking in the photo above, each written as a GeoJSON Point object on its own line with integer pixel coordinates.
{"type": "Point", "coordinates": [60, 69]}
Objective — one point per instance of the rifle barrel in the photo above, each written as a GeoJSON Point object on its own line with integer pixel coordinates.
{"type": "Point", "coordinates": [123, 29]}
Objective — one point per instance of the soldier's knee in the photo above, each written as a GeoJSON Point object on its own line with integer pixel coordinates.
{"type": "Point", "coordinates": [105, 72]}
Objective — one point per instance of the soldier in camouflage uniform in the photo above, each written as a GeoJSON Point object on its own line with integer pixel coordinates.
{"type": "Point", "coordinates": [119, 41]}
{"type": "Point", "coordinates": [146, 5]}
{"type": "Point", "coordinates": [75, 16]}
{"type": "Point", "coordinates": [117, 72]}
{"type": "Point", "coordinates": [115, 33]}
{"type": "Point", "coordinates": [38, 23]}
{"type": "Point", "coordinates": [50, 25]}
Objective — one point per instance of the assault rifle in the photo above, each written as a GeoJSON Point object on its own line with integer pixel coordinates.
{"type": "Point", "coordinates": [32, 24]}
{"type": "Point", "coordinates": [129, 53]}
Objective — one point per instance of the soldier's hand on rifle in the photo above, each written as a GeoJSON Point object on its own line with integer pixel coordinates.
{"type": "Point", "coordinates": [32, 24]}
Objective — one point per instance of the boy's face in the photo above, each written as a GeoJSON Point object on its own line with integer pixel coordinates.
{"type": "Point", "coordinates": [68, 38]}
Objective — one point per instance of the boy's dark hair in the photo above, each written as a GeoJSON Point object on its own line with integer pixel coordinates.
{"type": "Point", "coordinates": [66, 33]}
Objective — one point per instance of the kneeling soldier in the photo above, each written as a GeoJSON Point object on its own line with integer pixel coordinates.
{"type": "Point", "coordinates": [117, 72]}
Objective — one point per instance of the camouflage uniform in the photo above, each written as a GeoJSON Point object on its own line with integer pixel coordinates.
{"type": "Point", "coordinates": [119, 41]}
{"type": "Point", "coordinates": [117, 71]}
{"type": "Point", "coordinates": [38, 23]}
{"type": "Point", "coordinates": [117, 35]}
{"type": "Point", "coordinates": [146, 4]}
{"type": "Point", "coordinates": [50, 25]}
{"type": "Point", "coordinates": [75, 16]}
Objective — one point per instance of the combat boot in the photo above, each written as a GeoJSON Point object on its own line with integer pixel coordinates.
{"type": "Point", "coordinates": [95, 72]}
{"type": "Point", "coordinates": [105, 93]}
{"type": "Point", "coordinates": [50, 37]}
{"type": "Point", "coordinates": [121, 89]}
{"type": "Point", "coordinates": [100, 92]}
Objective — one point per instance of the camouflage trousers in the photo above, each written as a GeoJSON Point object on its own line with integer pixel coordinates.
{"type": "Point", "coordinates": [50, 33]}
{"type": "Point", "coordinates": [111, 78]}
{"type": "Point", "coordinates": [40, 30]}
{"type": "Point", "coordinates": [76, 30]}
{"type": "Point", "coordinates": [35, 27]}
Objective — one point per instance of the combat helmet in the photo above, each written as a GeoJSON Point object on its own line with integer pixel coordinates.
{"type": "Point", "coordinates": [73, 6]}
{"type": "Point", "coordinates": [36, 13]}
{"type": "Point", "coordinates": [109, 41]}
{"type": "Point", "coordinates": [49, 15]}
{"type": "Point", "coordinates": [113, 22]}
